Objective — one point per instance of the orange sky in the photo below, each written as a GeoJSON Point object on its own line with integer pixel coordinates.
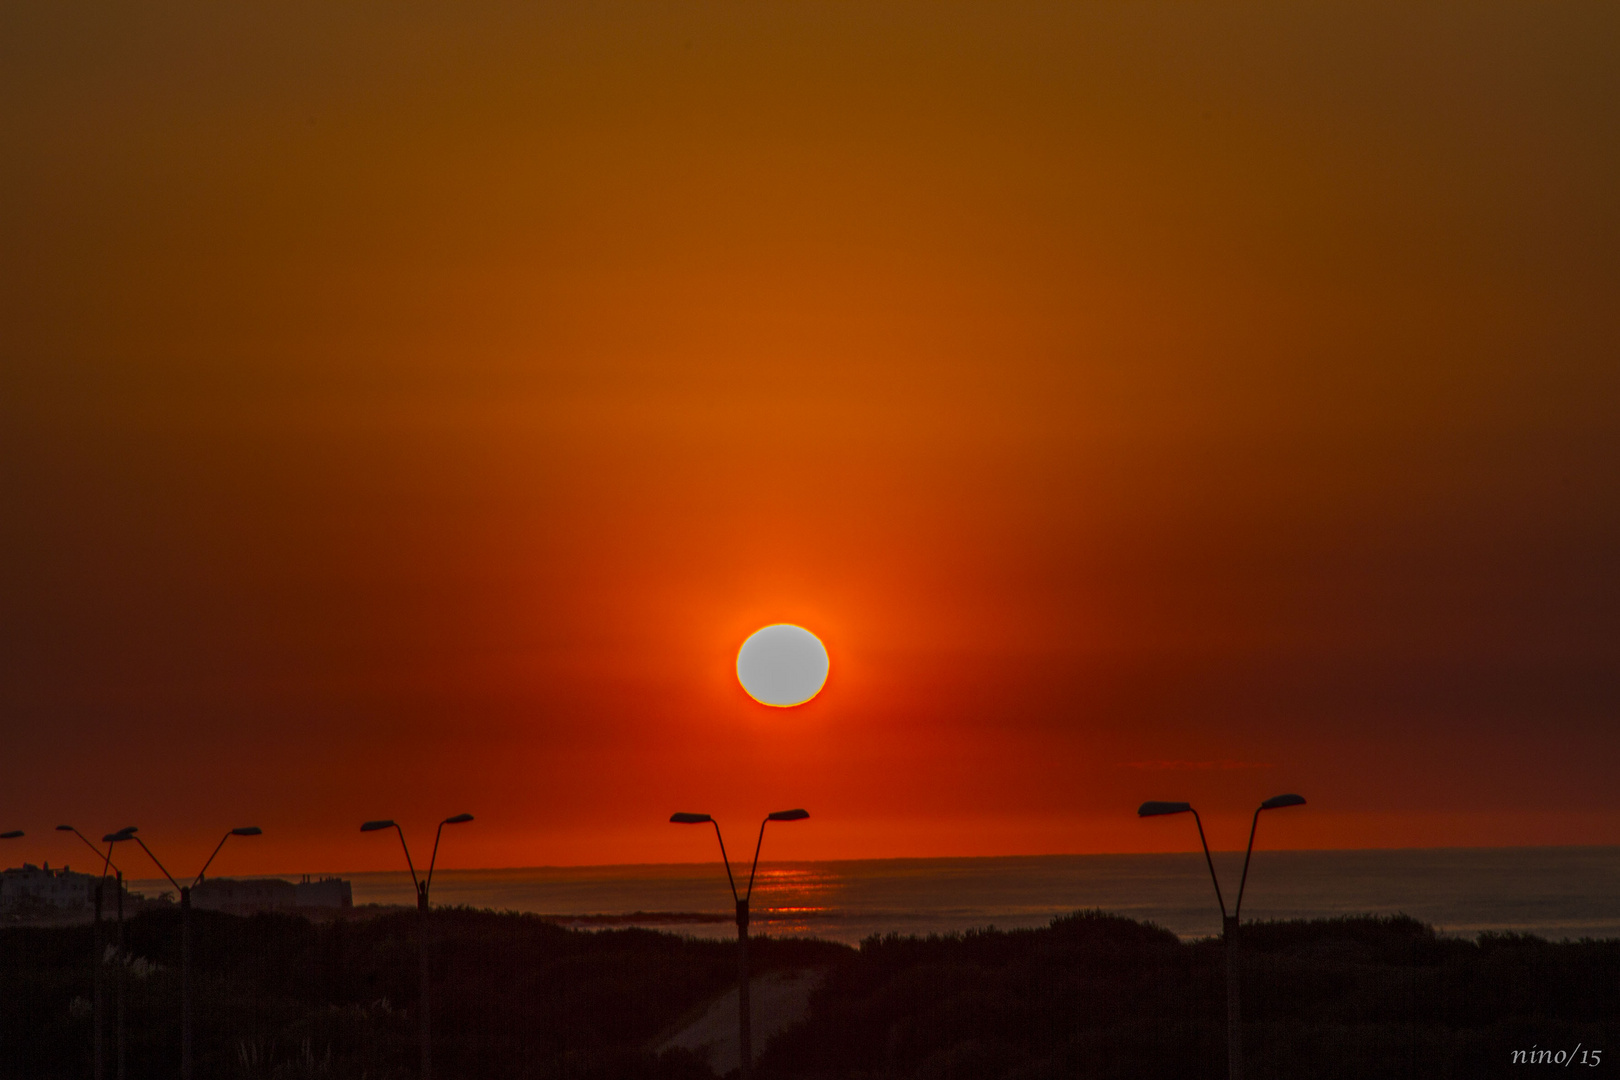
{"type": "Point", "coordinates": [407, 410]}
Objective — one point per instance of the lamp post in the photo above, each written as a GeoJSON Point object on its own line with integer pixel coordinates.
{"type": "Point", "coordinates": [95, 940]}
{"type": "Point", "coordinates": [120, 1055]}
{"type": "Point", "coordinates": [1229, 924]}
{"type": "Point", "coordinates": [745, 1034]}
{"type": "Point", "coordinates": [185, 932]}
{"type": "Point", "coordinates": [424, 1018]}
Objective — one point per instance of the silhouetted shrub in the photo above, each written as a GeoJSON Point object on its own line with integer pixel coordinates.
{"type": "Point", "coordinates": [1091, 996]}
{"type": "Point", "coordinates": [1095, 995]}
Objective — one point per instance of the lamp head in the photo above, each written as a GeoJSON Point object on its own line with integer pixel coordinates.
{"type": "Point", "coordinates": [12, 835]}
{"type": "Point", "coordinates": [1156, 809]}
{"type": "Point", "coordinates": [122, 834]}
{"type": "Point", "coordinates": [373, 826]}
{"type": "Point", "coordinates": [690, 819]}
{"type": "Point", "coordinates": [1276, 802]}
{"type": "Point", "coordinates": [65, 828]}
{"type": "Point", "coordinates": [459, 819]}
{"type": "Point", "coordinates": [788, 815]}
{"type": "Point", "coordinates": [248, 830]}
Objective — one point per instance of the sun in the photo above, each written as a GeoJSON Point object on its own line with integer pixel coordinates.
{"type": "Point", "coordinates": [782, 665]}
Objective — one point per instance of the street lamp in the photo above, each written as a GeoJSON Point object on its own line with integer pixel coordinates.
{"type": "Point", "coordinates": [1229, 924]}
{"type": "Point", "coordinates": [745, 1040]}
{"type": "Point", "coordinates": [421, 887]}
{"type": "Point", "coordinates": [95, 938]}
{"type": "Point", "coordinates": [120, 1056]}
{"type": "Point", "coordinates": [185, 930]}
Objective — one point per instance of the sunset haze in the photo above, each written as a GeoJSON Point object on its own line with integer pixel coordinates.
{"type": "Point", "coordinates": [410, 409]}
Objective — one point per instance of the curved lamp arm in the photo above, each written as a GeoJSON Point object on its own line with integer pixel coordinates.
{"type": "Point", "coordinates": [246, 830]}
{"type": "Point", "coordinates": [1211, 864]}
{"type": "Point", "coordinates": [410, 865]}
{"type": "Point", "coordinates": [459, 819]}
{"type": "Point", "coordinates": [724, 859]}
{"type": "Point", "coordinates": [1276, 802]}
{"type": "Point", "coordinates": [154, 858]}
{"type": "Point", "coordinates": [684, 818]}
{"type": "Point", "coordinates": [752, 870]}
{"type": "Point", "coordinates": [1161, 809]}
{"type": "Point", "coordinates": [780, 815]}
{"type": "Point", "coordinates": [92, 847]}
{"type": "Point", "coordinates": [388, 823]}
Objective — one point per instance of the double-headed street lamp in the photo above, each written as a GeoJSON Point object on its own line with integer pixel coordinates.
{"type": "Point", "coordinates": [744, 1028]}
{"type": "Point", "coordinates": [185, 927]}
{"type": "Point", "coordinates": [95, 938]}
{"type": "Point", "coordinates": [120, 1045]}
{"type": "Point", "coordinates": [421, 886]}
{"type": "Point", "coordinates": [1229, 923]}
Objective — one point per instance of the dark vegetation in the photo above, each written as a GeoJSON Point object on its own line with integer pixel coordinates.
{"type": "Point", "coordinates": [278, 996]}
{"type": "Point", "coordinates": [1095, 995]}
{"type": "Point", "coordinates": [1091, 996]}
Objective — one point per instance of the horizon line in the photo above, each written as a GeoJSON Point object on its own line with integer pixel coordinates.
{"type": "Point", "coordinates": [911, 859]}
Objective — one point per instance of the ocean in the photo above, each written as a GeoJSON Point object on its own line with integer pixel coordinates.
{"type": "Point", "coordinates": [1554, 892]}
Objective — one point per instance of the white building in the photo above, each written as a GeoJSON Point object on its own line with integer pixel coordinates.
{"type": "Point", "coordinates": [35, 886]}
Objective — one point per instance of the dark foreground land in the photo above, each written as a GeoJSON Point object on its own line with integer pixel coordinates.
{"type": "Point", "coordinates": [1090, 996]}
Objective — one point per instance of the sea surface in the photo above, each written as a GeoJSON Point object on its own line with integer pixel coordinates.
{"type": "Point", "coordinates": [1554, 892]}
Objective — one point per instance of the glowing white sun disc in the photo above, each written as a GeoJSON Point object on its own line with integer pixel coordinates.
{"type": "Point", "coordinates": [782, 665]}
